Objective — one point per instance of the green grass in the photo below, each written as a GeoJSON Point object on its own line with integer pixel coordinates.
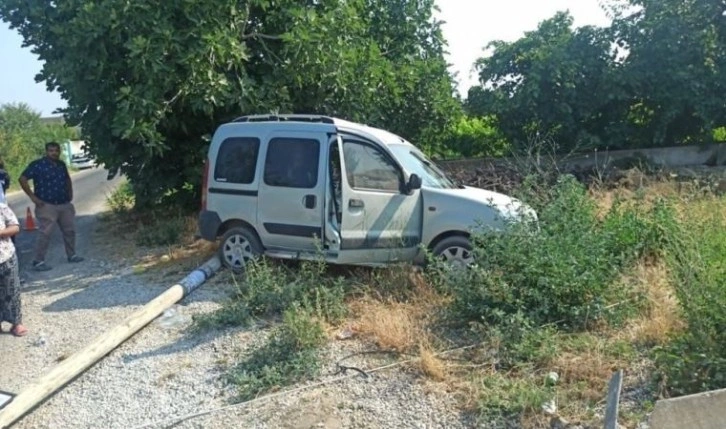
{"type": "Point", "coordinates": [568, 298]}
{"type": "Point", "coordinates": [270, 288]}
{"type": "Point", "coordinates": [290, 355]}
{"type": "Point", "coordinates": [695, 360]}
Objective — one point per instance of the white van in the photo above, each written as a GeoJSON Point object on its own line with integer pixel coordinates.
{"type": "Point", "coordinates": [277, 185]}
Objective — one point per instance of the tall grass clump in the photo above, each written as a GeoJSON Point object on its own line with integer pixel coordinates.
{"type": "Point", "coordinates": [306, 298]}
{"type": "Point", "coordinates": [269, 288]}
{"type": "Point", "coordinates": [695, 359]}
{"type": "Point", "coordinates": [563, 273]}
{"type": "Point", "coordinates": [290, 355]}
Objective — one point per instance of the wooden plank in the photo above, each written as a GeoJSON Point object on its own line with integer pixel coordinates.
{"type": "Point", "coordinates": [611, 412]}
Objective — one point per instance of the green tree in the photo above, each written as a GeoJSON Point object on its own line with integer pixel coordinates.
{"type": "Point", "coordinates": [674, 68]}
{"type": "Point", "coordinates": [472, 137]}
{"type": "Point", "coordinates": [23, 136]}
{"type": "Point", "coordinates": [556, 81]}
{"type": "Point", "coordinates": [150, 81]}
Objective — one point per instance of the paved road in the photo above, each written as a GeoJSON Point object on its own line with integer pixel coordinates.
{"type": "Point", "coordinates": [90, 189]}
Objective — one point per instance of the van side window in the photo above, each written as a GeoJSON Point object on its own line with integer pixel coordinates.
{"type": "Point", "coordinates": [292, 163]}
{"type": "Point", "coordinates": [367, 167]}
{"type": "Point", "coordinates": [237, 160]}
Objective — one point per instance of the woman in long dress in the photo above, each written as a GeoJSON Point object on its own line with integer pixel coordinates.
{"type": "Point", "coordinates": [9, 277]}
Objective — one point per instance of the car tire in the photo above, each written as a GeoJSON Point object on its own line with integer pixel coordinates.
{"type": "Point", "coordinates": [239, 247]}
{"type": "Point", "coordinates": [456, 250]}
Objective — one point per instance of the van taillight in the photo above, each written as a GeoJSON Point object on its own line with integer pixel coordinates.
{"type": "Point", "coordinates": [205, 178]}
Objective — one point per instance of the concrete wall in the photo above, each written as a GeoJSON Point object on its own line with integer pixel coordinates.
{"type": "Point", "coordinates": [705, 410]}
{"type": "Point", "coordinates": [679, 156]}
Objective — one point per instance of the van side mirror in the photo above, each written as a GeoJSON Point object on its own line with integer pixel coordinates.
{"type": "Point", "coordinates": [414, 182]}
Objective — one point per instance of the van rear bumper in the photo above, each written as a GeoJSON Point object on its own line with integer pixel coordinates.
{"type": "Point", "coordinates": [209, 223]}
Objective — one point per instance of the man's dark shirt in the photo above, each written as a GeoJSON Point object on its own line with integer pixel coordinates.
{"type": "Point", "coordinates": [49, 180]}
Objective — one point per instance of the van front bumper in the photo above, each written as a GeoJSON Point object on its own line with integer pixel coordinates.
{"type": "Point", "coordinates": [209, 223]}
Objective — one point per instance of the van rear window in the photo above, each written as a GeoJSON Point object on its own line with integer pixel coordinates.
{"type": "Point", "coordinates": [237, 160]}
{"type": "Point", "coordinates": [292, 162]}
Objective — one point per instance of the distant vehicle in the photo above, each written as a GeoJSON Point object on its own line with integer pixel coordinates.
{"type": "Point", "coordinates": [82, 161]}
{"type": "Point", "coordinates": [292, 186]}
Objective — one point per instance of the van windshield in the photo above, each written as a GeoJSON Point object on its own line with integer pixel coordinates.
{"type": "Point", "coordinates": [416, 162]}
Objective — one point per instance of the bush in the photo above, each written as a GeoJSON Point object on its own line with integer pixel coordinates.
{"type": "Point", "coordinates": [121, 200]}
{"type": "Point", "coordinates": [290, 355]}
{"type": "Point", "coordinates": [566, 273]}
{"type": "Point", "coordinates": [473, 137]}
{"type": "Point", "coordinates": [695, 360]}
{"type": "Point", "coordinates": [161, 232]}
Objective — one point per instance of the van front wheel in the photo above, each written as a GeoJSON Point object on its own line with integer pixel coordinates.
{"type": "Point", "coordinates": [239, 247]}
{"type": "Point", "coordinates": [456, 251]}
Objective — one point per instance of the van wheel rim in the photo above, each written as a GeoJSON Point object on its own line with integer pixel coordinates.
{"type": "Point", "coordinates": [237, 251]}
{"type": "Point", "coordinates": [458, 256]}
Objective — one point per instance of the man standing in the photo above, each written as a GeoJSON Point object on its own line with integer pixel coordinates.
{"type": "Point", "coordinates": [52, 197]}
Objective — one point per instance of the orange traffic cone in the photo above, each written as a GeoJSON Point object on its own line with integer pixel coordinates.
{"type": "Point", "coordinates": [29, 222]}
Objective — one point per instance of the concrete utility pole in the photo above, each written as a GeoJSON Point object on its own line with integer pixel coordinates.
{"type": "Point", "coordinates": [68, 369]}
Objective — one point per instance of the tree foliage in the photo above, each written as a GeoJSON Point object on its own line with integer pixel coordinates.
{"type": "Point", "coordinates": [555, 81]}
{"type": "Point", "coordinates": [653, 78]}
{"type": "Point", "coordinates": [23, 136]}
{"type": "Point", "coordinates": [675, 68]}
{"type": "Point", "coordinates": [149, 81]}
{"type": "Point", "coordinates": [471, 137]}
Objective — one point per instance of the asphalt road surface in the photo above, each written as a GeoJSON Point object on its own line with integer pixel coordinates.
{"type": "Point", "coordinates": [90, 190]}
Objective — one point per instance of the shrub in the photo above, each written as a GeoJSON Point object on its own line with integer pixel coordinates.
{"type": "Point", "coordinates": [695, 360]}
{"type": "Point", "coordinates": [565, 273]}
{"type": "Point", "coordinates": [121, 200]}
{"type": "Point", "coordinates": [290, 355]}
{"type": "Point", "coordinates": [271, 288]}
{"type": "Point", "coordinates": [161, 232]}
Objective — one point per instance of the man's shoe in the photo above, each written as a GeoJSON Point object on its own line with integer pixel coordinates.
{"type": "Point", "coordinates": [41, 266]}
{"type": "Point", "coordinates": [75, 258]}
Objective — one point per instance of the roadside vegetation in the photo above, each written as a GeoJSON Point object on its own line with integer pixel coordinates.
{"type": "Point", "coordinates": [652, 77]}
{"type": "Point", "coordinates": [23, 135]}
{"type": "Point", "coordinates": [616, 277]}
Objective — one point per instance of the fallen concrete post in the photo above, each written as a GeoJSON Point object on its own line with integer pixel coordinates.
{"type": "Point", "coordinates": [705, 410]}
{"type": "Point", "coordinates": [68, 369]}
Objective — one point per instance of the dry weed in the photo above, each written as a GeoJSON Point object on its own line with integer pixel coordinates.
{"type": "Point", "coordinates": [587, 371]}
{"type": "Point", "coordinates": [431, 365]}
{"type": "Point", "coordinates": [393, 326]}
{"type": "Point", "coordinates": [398, 321]}
{"type": "Point", "coordinates": [661, 317]}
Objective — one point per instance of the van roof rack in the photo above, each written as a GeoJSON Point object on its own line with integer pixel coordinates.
{"type": "Point", "coordinates": [283, 118]}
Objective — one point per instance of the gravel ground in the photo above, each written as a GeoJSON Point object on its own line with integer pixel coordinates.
{"type": "Point", "coordinates": [165, 372]}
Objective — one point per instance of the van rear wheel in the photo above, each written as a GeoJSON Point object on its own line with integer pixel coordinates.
{"type": "Point", "coordinates": [456, 251]}
{"type": "Point", "coordinates": [239, 247]}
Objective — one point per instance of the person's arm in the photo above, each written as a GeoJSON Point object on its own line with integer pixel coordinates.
{"type": "Point", "coordinates": [9, 231]}
{"type": "Point", "coordinates": [69, 184]}
{"type": "Point", "coordinates": [24, 184]}
{"type": "Point", "coordinates": [23, 181]}
{"type": "Point", "coordinates": [12, 226]}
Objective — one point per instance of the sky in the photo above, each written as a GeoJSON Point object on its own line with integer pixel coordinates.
{"type": "Point", "coordinates": [469, 26]}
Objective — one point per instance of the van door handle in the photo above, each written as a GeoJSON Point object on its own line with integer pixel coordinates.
{"type": "Point", "coordinates": [309, 201]}
{"type": "Point", "coordinates": [355, 203]}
